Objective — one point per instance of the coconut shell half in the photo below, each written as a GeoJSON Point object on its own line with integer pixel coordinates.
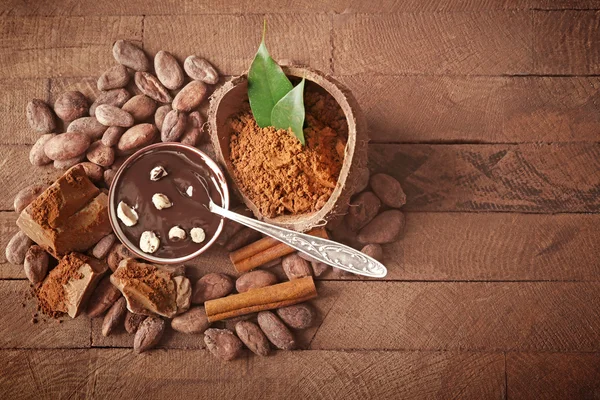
{"type": "Point", "coordinates": [227, 101]}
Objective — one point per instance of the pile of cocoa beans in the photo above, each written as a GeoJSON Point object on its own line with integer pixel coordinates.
{"type": "Point", "coordinates": [139, 104]}
{"type": "Point", "coordinates": [134, 109]}
{"type": "Point", "coordinates": [226, 341]}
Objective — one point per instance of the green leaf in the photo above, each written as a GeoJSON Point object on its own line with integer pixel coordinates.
{"type": "Point", "coordinates": [267, 84]}
{"type": "Point", "coordinates": [289, 112]}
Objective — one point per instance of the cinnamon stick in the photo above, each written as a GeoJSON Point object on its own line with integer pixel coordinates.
{"type": "Point", "coordinates": [266, 298]}
{"type": "Point", "coordinates": [264, 250]}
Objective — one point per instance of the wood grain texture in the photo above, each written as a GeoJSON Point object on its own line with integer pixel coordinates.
{"type": "Point", "coordinates": [546, 178]}
{"type": "Point", "coordinates": [522, 316]}
{"type": "Point", "coordinates": [69, 46]}
{"type": "Point", "coordinates": [478, 109]}
{"type": "Point", "coordinates": [13, 102]}
{"type": "Point", "coordinates": [487, 43]}
{"type": "Point", "coordinates": [230, 41]}
{"type": "Point", "coordinates": [17, 329]}
{"type": "Point", "coordinates": [190, 7]}
{"type": "Point", "coordinates": [107, 373]}
{"type": "Point", "coordinates": [553, 375]}
{"type": "Point", "coordinates": [447, 247]}
{"type": "Point", "coordinates": [496, 246]}
{"type": "Point", "coordinates": [567, 42]}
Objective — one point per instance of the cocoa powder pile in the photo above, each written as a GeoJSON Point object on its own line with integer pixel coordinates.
{"type": "Point", "coordinates": [278, 173]}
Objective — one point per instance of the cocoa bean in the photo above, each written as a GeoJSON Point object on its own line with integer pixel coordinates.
{"type": "Point", "coordinates": [190, 97]}
{"type": "Point", "coordinates": [295, 267]}
{"type": "Point", "coordinates": [388, 190]}
{"type": "Point", "coordinates": [136, 137]}
{"type": "Point", "coordinates": [193, 132]}
{"type": "Point", "coordinates": [223, 344]}
{"type": "Point", "coordinates": [113, 116]}
{"type": "Point", "coordinates": [173, 126]}
{"type": "Point", "coordinates": [362, 209]}
{"type": "Point", "coordinates": [115, 97]}
{"type": "Point", "coordinates": [114, 317]}
{"type": "Point", "coordinates": [160, 114]}
{"type": "Point", "coordinates": [71, 105]}
{"type": "Point", "coordinates": [373, 250]}
{"type": "Point", "coordinates": [201, 70]}
{"type": "Point", "coordinates": [66, 146]}
{"type": "Point", "coordinates": [102, 248]}
{"type": "Point", "coordinates": [230, 323]}
{"type": "Point", "coordinates": [40, 116]}
{"type": "Point", "coordinates": [114, 78]}
{"type": "Point", "coordinates": [148, 334]}
{"type": "Point", "coordinates": [384, 228]}
{"type": "Point", "coordinates": [130, 55]}
{"type": "Point", "coordinates": [37, 155]}
{"type": "Point", "coordinates": [133, 321]}
{"type": "Point", "coordinates": [254, 280]}
{"type": "Point", "coordinates": [183, 289]}
{"type": "Point", "coordinates": [244, 237]}
{"type": "Point", "coordinates": [192, 321]}
{"type": "Point", "coordinates": [93, 171]}
{"type": "Point", "coordinates": [100, 154]}
{"type": "Point", "coordinates": [26, 196]}
{"type": "Point", "coordinates": [272, 263]}
{"type": "Point", "coordinates": [168, 70]}
{"type": "Point", "coordinates": [211, 286]}
{"type": "Point", "coordinates": [17, 248]}
{"type": "Point", "coordinates": [71, 162]}
{"type": "Point", "coordinates": [149, 85]}
{"type": "Point", "coordinates": [36, 264]}
{"type": "Point", "coordinates": [141, 107]}
{"type": "Point", "coordinates": [102, 298]}
{"type": "Point", "coordinates": [112, 135]}
{"type": "Point", "coordinates": [254, 339]}
{"type": "Point", "coordinates": [108, 176]}
{"type": "Point", "coordinates": [297, 316]}
{"type": "Point", "coordinates": [276, 331]}
{"type": "Point", "coordinates": [118, 253]}
{"type": "Point", "coordinates": [319, 268]}
{"type": "Point", "coordinates": [89, 126]}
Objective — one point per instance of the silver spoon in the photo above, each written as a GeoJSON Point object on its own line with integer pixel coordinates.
{"type": "Point", "coordinates": [323, 250]}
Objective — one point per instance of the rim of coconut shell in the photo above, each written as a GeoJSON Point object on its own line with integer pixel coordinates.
{"type": "Point", "coordinates": [225, 102]}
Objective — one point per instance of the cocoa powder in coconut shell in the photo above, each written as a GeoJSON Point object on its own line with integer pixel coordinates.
{"type": "Point", "coordinates": [280, 175]}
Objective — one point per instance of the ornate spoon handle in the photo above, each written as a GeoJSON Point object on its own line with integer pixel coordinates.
{"type": "Point", "coordinates": [326, 251]}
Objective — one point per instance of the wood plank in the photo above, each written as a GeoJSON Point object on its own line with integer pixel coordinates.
{"type": "Point", "coordinates": [190, 7]}
{"type": "Point", "coordinates": [17, 329]}
{"type": "Point", "coordinates": [553, 375]}
{"type": "Point", "coordinates": [548, 178]}
{"type": "Point", "coordinates": [420, 109]}
{"type": "Point", "coordinates": [230, 41]}
{"type": "Point", "coordinates": [448, 247]}
{"type": "Point", "coordinates": [485, 43]}
{"type": "Point", "coordinates": [14, 97]}
{"type": "Point", "coordinates": [56, 46]}
{"type": "Point", "coordinates": [104, 373]}
{"type": "Point", "coordinates": [496, 246]}
{"type": "Point", "coordinates": [566, 42]}
{"type": "Point", "coordinates": [532, 316]}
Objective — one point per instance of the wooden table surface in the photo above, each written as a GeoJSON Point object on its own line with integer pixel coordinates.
{"type": "Point", "coordinates": [487, 111]}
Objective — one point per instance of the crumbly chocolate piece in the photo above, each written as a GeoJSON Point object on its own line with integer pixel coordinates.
{"type": "Point", "coordinates": [69, 285]}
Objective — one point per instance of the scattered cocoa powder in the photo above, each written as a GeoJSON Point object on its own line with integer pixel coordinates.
{"type": "Point", "coordinates": [280, 175]}
{"type": "Point", "coordinates": [51, 292]}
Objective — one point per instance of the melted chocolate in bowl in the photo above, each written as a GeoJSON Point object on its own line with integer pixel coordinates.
{"type": "Point", "coordinates": [185, 167]}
